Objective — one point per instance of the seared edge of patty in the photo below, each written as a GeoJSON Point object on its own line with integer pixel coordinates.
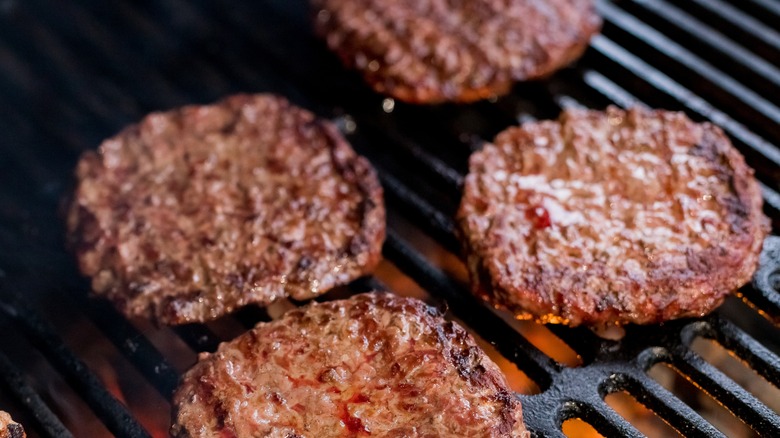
{"type": "Point", "coordinates": [376, 363]}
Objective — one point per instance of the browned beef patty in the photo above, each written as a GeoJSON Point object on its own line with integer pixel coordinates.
{"type": "Point", "coordinates": [372, 365]}
{"type": "Point", "coordinates": [639, 216]}
{"type": "Point", "coordinates": [428, 51]}
{"type": "Point", "coordinates": [9, 428]}
{"type": "Point", "coordinates": [195, 212]}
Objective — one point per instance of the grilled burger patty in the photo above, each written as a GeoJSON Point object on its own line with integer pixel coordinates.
{"type": "Point", "coordinates": [195, 212]}
{"type": "Point", "coordinates": [639, 216]}
{"type": "Point", "coordinates": [372, 365]}
{"type": "Point", "coordinates": [428, 51]}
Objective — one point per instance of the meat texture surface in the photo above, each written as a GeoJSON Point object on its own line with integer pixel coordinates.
{"type": "Point", "coordinates": [372, 365]}
{"type": "Point", "coordinates": [611, 217]}
{"type": "Point", "coordinates": [197, 211]}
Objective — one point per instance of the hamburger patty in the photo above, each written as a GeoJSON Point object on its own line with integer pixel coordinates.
{"type": "Point", "coordinates": [195, 212]}
{"type": "Point", "coordinates": [9, 428]}
{"type": "Point", "coordinates": [428, 51]}
{"type": "Point", "coordinates": [372, 365]}
{"type": "Point", "coordinates": [639, 216]}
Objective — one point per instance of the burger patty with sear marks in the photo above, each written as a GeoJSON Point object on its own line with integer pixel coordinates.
{"type": "Point", "coordinates": [372, 365]}
{"type": "Point", "coordinates": [429, 51]}
{"type": "Point", "coordinates": [9, 428]}
{"type": "Point", "coordinates": [611, 217]}
{"type": "Point", "coordinates": [195, 212]}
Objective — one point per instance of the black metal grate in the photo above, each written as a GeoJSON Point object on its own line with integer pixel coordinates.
{"type": "Point", "coordinates": [73, 73]}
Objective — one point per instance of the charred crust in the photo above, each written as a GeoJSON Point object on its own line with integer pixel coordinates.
{"type": "Point", "coordinates": [156, 253]}
{"type": "Point", "coordinates": [660, 288]}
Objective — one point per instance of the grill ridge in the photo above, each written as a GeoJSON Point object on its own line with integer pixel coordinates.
{"type": "Point", "coordinates": [115, 416]}
{"type": "Point", "coordinates": [16, 383]}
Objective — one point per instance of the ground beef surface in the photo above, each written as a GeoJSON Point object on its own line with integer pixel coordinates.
{"type": "Point", "coordinates": [372, 365]}
{"type": "Point", "coordinates": [197, 211]}
{"type": "Point", "coordinates": [639, 216]}
{"type": "Point", "coordinates": [428, 51]}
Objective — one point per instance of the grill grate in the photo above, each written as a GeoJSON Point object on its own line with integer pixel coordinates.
{"type": "Point", "coordinates": [74, 74]}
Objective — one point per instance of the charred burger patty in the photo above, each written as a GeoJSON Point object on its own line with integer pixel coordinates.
{"type": "Point", "coordinates": [428, 51]}
{"type": "Point", "coordinates": [372, 365]}
{"type": "Point", "coordinates": [195, 212]}
{"type": "Point", "coordinates": [639, 216]}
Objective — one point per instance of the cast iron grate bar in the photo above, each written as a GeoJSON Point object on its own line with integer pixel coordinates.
{"type": "Point", "coordinates": [732, 396]}
{"type": "Point", "coordinates": [438, 224]}
{"type": "Point", "coordinates": [68, 127]}
{"type": "Point", "coordinates": [742, 20]}
{"type": "Point", "coordinates": [416, 151]}
{"type": "Point", "coordinates": [198, 337]}
{"type": "Point", "coordinates": [669, 86]}
{"type": "Point", "coordinates": [368, 284]}
{"type": "Point", "coordinates": [755, 103]}
{"type": "Point", "coordinates": [766, 281]}
{"type": "Point", "coordinates": [166, 42]}
{"type": "Point", "coordinates": [612, 91]}
{"type": "Point", "coordinates": [685, 21]}
{"type": "Point", "coordinates": [61, 70]}
{"type": "Point", "coordinates": [771, 198]}
{"type": "Point", "coordinates": [758, 357]}
{"type": "Point", "coordinates": [608, 422]}
{"type": "Point", "coordinates": [128, 340]}
{"type": "Point", "coordinates": [576, 393]}
{"type": "Point", "coordinates": [69, 18]}
{"type": "Point", "coordinates": [133, 345]}
{"type": "Point", "coordinates": [16, 384]}
{"type": "Point", "coordinates": [111, 412]}
{"type": "Point", "coordinates": [673, 410]}
{"type": "Point", "coordinates": [769, 5]}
